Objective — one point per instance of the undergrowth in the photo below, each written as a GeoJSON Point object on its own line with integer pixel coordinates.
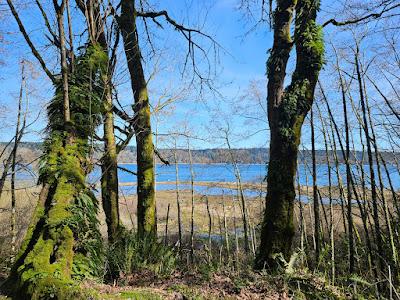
{"type": "Point", "coordinates": [132, 254]}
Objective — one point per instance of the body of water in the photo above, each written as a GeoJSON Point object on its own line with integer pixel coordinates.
{"type": "Point", "coordinates": [250, 173]}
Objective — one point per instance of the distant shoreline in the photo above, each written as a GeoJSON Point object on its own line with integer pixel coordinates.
{"type": "Point", "coordinates": [198, 163]}
{"type": "Point", "coordinates": [214, 156]}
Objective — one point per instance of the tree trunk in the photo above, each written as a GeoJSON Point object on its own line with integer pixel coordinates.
{"type": "Point", "coordinates": [240, 194]}
{"type": "Point", "coordinates": [348, 172]}
{"type": "Point", "coordinates": [317, 228]}
{"type": "Point", "coordinates": [109, 162]}
{"type": "Point", "coordinates": [191, 203]}
{"type": "Point", "coordinates": [331, 212]}
{"type": "Point", "coordinates": [109, 168]}
{"type": "Point", "coordinates": [56, 248]}
{"type": "Point", "coordinates": [286, 112]}
{"type": "Point", "coordinates": [51, 245]}
{"type": "Point", "coordinates": [146, 209]}
{"type": "Point", "coordinates": [18, 135]}
{"type": "Point", "coordinates": [178, 201]}
{"type": "Point", "coordinates": [64, 66]}
{"type": "Point", "coordinates": [376, 216]}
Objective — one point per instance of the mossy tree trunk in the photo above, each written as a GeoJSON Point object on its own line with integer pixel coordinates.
{"type": "Point", "coordinates": [63, 241]}
{"type": "Point", "coordinates": [109, 163]}
{"type": "Point", "coordinates": [109, 168]}
{"type": "Point", "coordinates": [287, 109]}
{"type": "Point", "coordinates": [45, 260]}
{"type": "Point", "coordinates": [146, 207]}
{"type": "Point", "coordinates": [54, 252]}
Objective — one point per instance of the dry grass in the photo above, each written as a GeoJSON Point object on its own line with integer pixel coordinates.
{"type": "Point", "coordinates": [26, 201]}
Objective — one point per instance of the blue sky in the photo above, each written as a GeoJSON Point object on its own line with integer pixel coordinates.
{"type": "Point", "coordinates": [240, 61]}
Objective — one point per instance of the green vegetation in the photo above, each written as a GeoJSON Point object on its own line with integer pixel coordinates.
{"type": "Point", "coordinates": [133, 295]}
{"type": "Point", "coordinates": [132, 254]}
{"type": "Point", "coordinates": [64, 243]}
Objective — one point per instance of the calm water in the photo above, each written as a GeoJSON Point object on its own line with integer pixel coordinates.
{"type": "Point", "coordinates": [254, 173]}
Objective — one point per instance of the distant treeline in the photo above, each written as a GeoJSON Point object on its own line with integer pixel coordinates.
{"type": "Point", "coordinates": [30, 151]}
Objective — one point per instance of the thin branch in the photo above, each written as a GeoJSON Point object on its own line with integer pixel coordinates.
{"type": "Point", "coordinates": [127, 170]}
{"type": "Point", "coordinates": [55, 40]}
{"type": "Point", "coordinates": [361, 19]}
{"type": "Point", "coordinates": [164, 161]}
{"type": "Point", "coordinates": [29, 42]}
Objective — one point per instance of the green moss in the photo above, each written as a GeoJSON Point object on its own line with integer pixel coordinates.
{"type": "Point", "coordinates": [53, 288]}
{"type": "Point", "coordinates": [147, 222]}
{"type": "Point", "coordinates": [144, 96]}
{"type": "Point", "coordinates": [133, 295]}
{"type": "Point", "coordinates": [287, 119]}
{"type": "Point", "coordinates": [55, 246]}
{"type": "Point", "coordinates": [37, 215]}
{"type": "Point", "coordinates": [290, 110]}
{"type": "Point", "coordinates": [188, 292]}
{"type": "Point", "coordinates": [140, 295]}
{"type": "Point", "coordinates": [51, 256]}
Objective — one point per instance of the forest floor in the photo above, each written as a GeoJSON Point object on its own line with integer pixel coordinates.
{"type": "Point", "coordinates": [216, 288]}
{"type": "Point", "coordinates": [194, 286]}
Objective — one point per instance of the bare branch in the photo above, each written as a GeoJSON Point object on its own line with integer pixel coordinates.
{"type": "Point", "coordinates": [127, 170]}
{"type": "Point", "coordinates": [164, 161]}
{"type": "Point", "coordinates": [186, 32]}
{"type": "Point", "coordinates": [361, 19]}
{"type": "Point", "coordinates": [29, 42]}
{"type": "Point", "coordinates": [47, 23]}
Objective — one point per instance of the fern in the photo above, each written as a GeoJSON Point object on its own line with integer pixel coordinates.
{"type": "Point", "coordinates": [357, 279]}
{"type": "Point", "coordinates": [132, 254]}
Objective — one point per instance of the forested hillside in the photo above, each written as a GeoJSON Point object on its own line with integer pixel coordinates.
{"type": "Point", "coordinates": [30, 152]}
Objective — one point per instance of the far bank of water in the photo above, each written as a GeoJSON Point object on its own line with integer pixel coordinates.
{"type": "Point", "coordinates": [250, 173]}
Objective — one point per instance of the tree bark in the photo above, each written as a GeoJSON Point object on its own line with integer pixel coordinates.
{"type": "Point", "coordinates": [348, 171]}
{"type": "Point", "coordinates": [286, 112]}
{"type": "Point", "coordinates": [54, 249]}
{"type": "Point", "coordinates": [317, 229]}
{"type": "Point", "coordinates": [64, 66]}
{"type": "Point", "coordinates": [146, 207]}
{"type": "Point", "coordinates": [109, 168]}
{"type": "Point", "coordinates": [18, 135]}
{"type": "Point", "coordinates": [109, 162]}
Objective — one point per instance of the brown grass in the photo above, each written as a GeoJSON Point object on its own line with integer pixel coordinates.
{"type": "Point", "coordinates": [26, 201]}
